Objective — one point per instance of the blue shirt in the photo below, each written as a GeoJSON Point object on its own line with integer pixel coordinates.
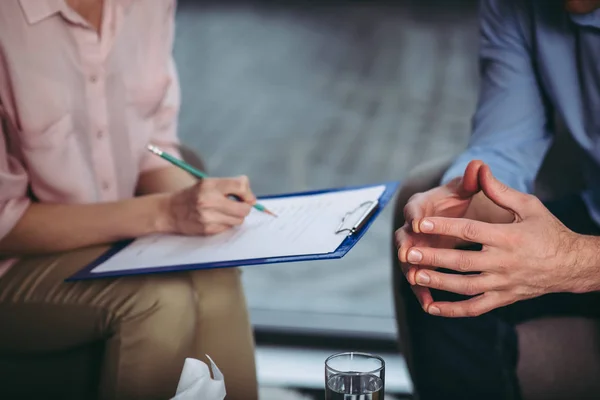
{"type": "Point", "coordinates": [536, 59]}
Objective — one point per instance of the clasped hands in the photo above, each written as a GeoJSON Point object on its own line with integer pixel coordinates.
{"type": "Point", "coordinates": [531, 255]}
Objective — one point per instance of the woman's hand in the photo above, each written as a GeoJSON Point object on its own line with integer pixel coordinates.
{"type": "Point", "coordinates": [206, 209]}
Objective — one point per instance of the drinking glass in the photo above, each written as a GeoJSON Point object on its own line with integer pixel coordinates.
{"type": "Point", "coordinates": [354, 376]}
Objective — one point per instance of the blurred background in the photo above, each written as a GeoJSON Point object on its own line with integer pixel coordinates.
{"type": "Point", "coordinates": [303, 95]}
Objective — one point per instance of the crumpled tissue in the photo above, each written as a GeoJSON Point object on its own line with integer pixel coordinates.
{"type": "Point", "coordinates": [196, 383]}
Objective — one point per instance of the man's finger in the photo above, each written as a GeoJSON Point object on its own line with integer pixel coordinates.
{"type": "Point", "coordinates": [510, 199]}
{"type": "Point", "coordinates": [462, 228]}
{"type": "Point", "coordinates": [457, 260]}
{"type": "Point", "coordinates": [468, 185]}
{"type": "Point", "coordinates": [423, 295]}
{"type": "Point", "coordinates": [472, 307]}
{"type": "Point", "coordinates": [469, 285]}
{"type": "Point", "coordinates": [404, 241]}
{"type": "Point", "coordinates": [411, 273]}
{"type": "Point", "coordinates": [413, 212]}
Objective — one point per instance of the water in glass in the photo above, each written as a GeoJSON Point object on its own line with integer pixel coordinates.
{"type": "Point", "coordinates": [354, 387]}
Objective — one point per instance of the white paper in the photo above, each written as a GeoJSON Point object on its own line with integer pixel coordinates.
{"type": "Point", "coordinates": [196, 383]}
{"type": "Point", "coordinates": [305, 225]}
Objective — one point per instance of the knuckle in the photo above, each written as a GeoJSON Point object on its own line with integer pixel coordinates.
{"type": "Point", "coordinates": [203, 217]}
{"type": "Point", "coordinates": [502, 187]}
{"type": "Point", "coordinates": [202, 203]}
{"type": "Point", "coordinates": [465, 263]}
{"type": "Point", "coordinates": [198, 190]}
{"type": "Point", "coordinates": [407, 212]}
{"type": "Point", "coordinates": [514, 240]}
{"type": "Point", "coordinates": [532, 200]}
{"type": "Point", "coordinates": [400, 236]}
{"type": "Point", "coordinates": [470, 231]}
{"type": "Point", "coordinates": [471, 288]}
{"type": "Point", "coordinates": [504, 265]}
{"type": "Point", "coordinates": [444, 227]}
{"type": "Point", "coordinates": [432, 259]}
{"type": "Point", "coordinates": [206, 183]}
{"type": "Point", "coordinates": [412, 203]}
{"type": "Point", "coordinates": [472, 312]}
{"type": "Point", "coordinates": [413, 199]}
{"type": "Point", "coordinates": [243, 182]}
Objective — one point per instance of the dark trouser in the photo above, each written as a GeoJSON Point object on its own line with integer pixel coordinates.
{"type": "Point", "coordinates": [476, 358]}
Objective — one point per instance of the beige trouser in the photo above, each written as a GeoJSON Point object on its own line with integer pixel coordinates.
{"type": "Point", "coordinates": [131, 334]}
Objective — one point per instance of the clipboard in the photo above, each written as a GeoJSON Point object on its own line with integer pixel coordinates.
{"type": "Point", "coordinates": [355, 224]}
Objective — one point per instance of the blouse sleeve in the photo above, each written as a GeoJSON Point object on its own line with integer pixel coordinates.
{"type": "Point", "coordinates": [13, 185]}
{"type": "Point", "coordinates": [167, 114]}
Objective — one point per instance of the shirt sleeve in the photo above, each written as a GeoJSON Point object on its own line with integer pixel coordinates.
{"type": "Point", "coordinates": [511, 128]}
{"type": "Point", "coordinates": [14, 182]}
{"type": "Point", "coordinates": [167, 114]}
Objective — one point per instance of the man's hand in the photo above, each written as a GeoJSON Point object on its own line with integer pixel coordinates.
{"type": "Point", "coordinates": [534, 255]}
{"type": "Point", "coordinates": [450, 200]}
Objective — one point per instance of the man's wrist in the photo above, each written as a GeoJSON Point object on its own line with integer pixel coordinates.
{"type": "Point", "coordinates": [586, 258]}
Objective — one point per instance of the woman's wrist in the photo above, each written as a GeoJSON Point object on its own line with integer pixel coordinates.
{"type": "Point", "coordinates": [160, 220]}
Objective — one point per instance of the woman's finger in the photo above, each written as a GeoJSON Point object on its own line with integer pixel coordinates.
{"type": "Point", "coordinates": [216, 201]}
{"type": "Point", "coordinates": [213, 229]}
{"type": "Point", "coordinates": [214, 216]}
{"type": "Point", "coordinates": [233, 208]}
{"type": "Point", "coordinates": [239, 187]}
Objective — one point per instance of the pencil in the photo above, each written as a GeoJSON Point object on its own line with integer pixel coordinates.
{"type": "Point", "coordinates": [197, 173]}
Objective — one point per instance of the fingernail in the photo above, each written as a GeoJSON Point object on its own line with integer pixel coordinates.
{"type": "Point", "coordinates": [414, 256]}
{"type": "Point", "coordinates": [423, 278]}
{"type": "Point", "coordinates": [433, 310]}
{"type": "Point", "coordinates": [426, 226]}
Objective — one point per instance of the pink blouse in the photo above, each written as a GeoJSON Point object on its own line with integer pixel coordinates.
{"type": "Point", "coordinates": [77, 109]}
